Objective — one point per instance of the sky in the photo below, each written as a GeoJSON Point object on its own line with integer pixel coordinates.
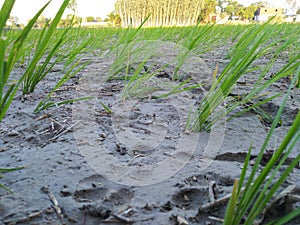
{"type": "Point", "coordinates": [24, 9]}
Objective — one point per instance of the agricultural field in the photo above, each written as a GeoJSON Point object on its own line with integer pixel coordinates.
{"type": "Point", "coordinates": [174, 125]}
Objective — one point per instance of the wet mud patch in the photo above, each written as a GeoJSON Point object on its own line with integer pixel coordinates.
{"type": "Point", "coordinates": [47, 145]}
{"type": "Point", "coordinates": [88, 195]}
{"type": "Point", "coordinates": [154, 118]}
{"type": "Point", "coordinates": [188, 199]}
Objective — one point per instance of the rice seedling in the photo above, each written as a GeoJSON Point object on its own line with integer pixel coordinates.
{"type": "Point", "coordinates": [35, 72]}
{"type": "Point", "coordinates": [70, 55]}
{"type": "Point", "coordinates": [131, 52]}
{"type": "Point", "coordinates": [190, 42]}
{"type": "Point", "coordinates": [248, 204]}
{"type": "Point", "coordinates": [7, 170]}
{"type": "Point", "coordinates": [106, 108]}
{"type": "Point", "coordinates": [10, 51]}
{"type": "Point", "coordinates": [47, 101]}
{"type": "Point", "coordinates": [125, 52]}
{"type": "Point", "coordinates": [9, 55]}
{"type": "Point", "coordinates": [256, 42]}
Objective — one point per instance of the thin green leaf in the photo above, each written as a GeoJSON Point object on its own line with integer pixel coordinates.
{"type": "Point", "coordinates": [106, 108]}
{"type": "Point", "coordinates": [229, 215]}
{"type": "Point", "coordinates": [5, 188]}
{"type": "Point", "coordinates": [5, 13]}
{"type": "Point", "coordinates": [288, 217]}
{"type": "Point", "coordinates": [7, 170]}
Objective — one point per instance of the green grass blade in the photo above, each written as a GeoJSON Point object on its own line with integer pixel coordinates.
{"type": "Point", "coordinates": [244, 171]}
{"type": "Point", "coordinates": [4, 100]}
{"type": "Point", "coordinates": [264, 197]}
{"type": "Point", "coordinates": [7, 170]}
{"type": "Point", "coordinates": [18, 43]}
{"type": "Point", "coordinates": [254, 186]}
{"type": "Point", "coordinates": [46, 102]}
{"type": "Point", "coordinates": [229, 215]}
{"type": "Point", "coordinates": [49, 104]}
{"type": "Point", "coordinates": [5, 188]}
{"type": "Point", "coordinates": [106, 108]}
{"type": "Point", "coordinates": [41, 48]}
{"type": "Point", "coordinates": [8, 64]}
{"type": "Point", "coordinates": [46, 66]}
{"type": "Point", "coordinates": [266, 194]}
{"type": "Point", "coordinates": [288, 217]}
{"type": "Point", "coordinates": [3, 64]}
{"type": "Point", "coordinates": [5, 13]}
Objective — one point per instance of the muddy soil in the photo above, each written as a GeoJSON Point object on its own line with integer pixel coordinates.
{"type": "Point", "coordinates": [85, 165]}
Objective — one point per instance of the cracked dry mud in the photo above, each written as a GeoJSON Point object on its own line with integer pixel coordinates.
{"type": "Point", "coordinates": [59, 186]}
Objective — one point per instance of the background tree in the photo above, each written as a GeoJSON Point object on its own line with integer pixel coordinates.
{"type": "Point", "coordinates": [233, 8]}
{"type": "Point", "coordinates": [89, 19]}
{"type": "Point", "coordinates": [42, 22]}
{"type": "Point", "coordinates": [14, 22]}
{"type": "Point", "coordinates": [262, 4]}
{"type": "Point", "coordinates": [98, 19]}
{"type": "Point", "coordinates": [207, 10]}
{"type": "Point", "coordinates": [249, 11]}
{"type": "Point", "coordinates": [113, 18]}
{"type": "Point", "coordinates": [162, 12]}
{"type": "Point", "coordinates": [73, 6]}
{"type": "Point", "coordinates": [230, 10]}
{"type": "Point", "coordinates": [70, 20]}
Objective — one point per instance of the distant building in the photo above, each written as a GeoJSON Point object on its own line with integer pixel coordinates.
{"type": "Point", "coordinates": [291, 15]}
{"type": "Point", "coordinates": [262, 14]}
{"type": "Point", "coordinates": [293, 19]}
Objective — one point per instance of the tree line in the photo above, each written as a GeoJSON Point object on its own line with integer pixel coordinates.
{"type": "Point", "coordinates": [161, 12]}
{"type": "Point", "coordinates": [180, 12]}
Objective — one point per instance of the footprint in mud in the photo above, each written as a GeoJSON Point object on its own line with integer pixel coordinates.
{"type": "Point", "coordinates": [94, 189]}
{"type": "Point", "coordinates": [90, 195]}
{"type": "Point", "coordinates": [204, 180]}
{"type": "Point", "coordinates": [121, 197]}
{"type": "Point", "coordinates": [288, 116]}
{"type": "Point", "coordinates": [91, 181]}
{"type": "Point", "coordinates": [89, 189]}
{"type": "Point", "coordinates": [191, 198]}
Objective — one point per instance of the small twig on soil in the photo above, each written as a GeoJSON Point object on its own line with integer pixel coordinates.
{"type": "Point", "coordinates": [216, 219]}
{"type": "Point", "coordinates": [23, 219]}
{"type": "Point", "coordinates": [125, 219]}
{"type": "Point", "coordinates": [56, 205]}
{"type": "Point", "coordinates": [218, 202]}
{"type": "Point", "coordinates": [54, 201]}
{"type": "Point", "coordinates": [44, 132]}
{"type": "Point", "coordinates": [53, 120]}
{"type": "Point", "coordinates": [43, 117]}
{"type": "Point", "coordinates": [63, 132]}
